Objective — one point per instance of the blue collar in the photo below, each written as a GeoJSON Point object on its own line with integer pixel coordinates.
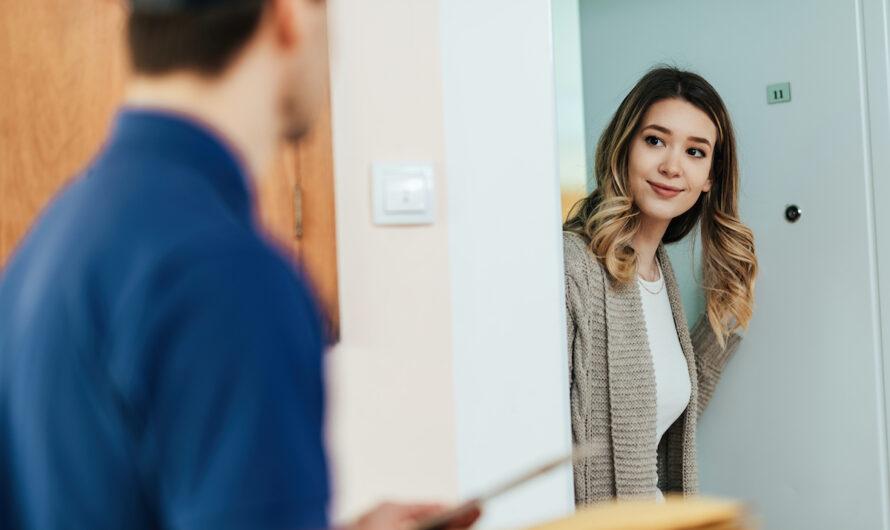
{"type": "Point", "coordinates": [183, 140]}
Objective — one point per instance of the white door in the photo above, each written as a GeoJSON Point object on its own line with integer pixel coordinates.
{"type": "Point", "coordinates": [797, 423]}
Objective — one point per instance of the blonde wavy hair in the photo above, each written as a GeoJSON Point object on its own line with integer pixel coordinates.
{"type": "Point", "coordinates": [609, 218]}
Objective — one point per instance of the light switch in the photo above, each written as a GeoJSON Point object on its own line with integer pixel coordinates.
{"type": "Point", "coordinates": [404, 193]}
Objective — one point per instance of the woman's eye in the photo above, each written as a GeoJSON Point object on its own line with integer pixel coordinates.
{"type": "Point", "coordinates": [697, 153]}
{"type": "Point", "coordinates": [654, 140]}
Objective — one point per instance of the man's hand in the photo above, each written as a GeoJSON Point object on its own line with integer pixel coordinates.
{"type": "Point", "coordinates": [389, 516]}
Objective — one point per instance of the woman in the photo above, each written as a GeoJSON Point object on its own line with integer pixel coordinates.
{"type": "Point", "coordinates": [639, 378]}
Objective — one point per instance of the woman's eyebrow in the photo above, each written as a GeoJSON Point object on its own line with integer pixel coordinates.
{"type": "Point", "coordinates": [667, 131]}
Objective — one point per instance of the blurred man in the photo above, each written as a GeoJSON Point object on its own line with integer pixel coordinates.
{"type": "Point", "coordinates": [160, 363]}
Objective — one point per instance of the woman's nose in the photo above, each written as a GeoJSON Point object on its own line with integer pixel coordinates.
{"type": "Point", "coordinates": [670, 164]}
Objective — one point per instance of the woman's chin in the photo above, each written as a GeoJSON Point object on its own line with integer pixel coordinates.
{"type": "Point", "coordinates": [658, 213]}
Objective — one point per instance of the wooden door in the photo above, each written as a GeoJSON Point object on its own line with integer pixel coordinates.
{"type": "Point", "coordinates": [62, 73]}
{"type": "Point", "coordinates": [297, 208]}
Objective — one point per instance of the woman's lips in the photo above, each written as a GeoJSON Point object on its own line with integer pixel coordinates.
{"type": "Point", "coordinates": [665, 191]}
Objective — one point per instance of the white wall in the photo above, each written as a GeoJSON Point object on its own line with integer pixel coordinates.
{"type": "Point", "coordinates": [510, 365]}
{"type": "Point", "coordinates": [452, 372]}
{"type": "Point", "coordinates": [573, 172]}
{"type": "Point", "coordinates": [391, 409]}
{"type": "Point", "coordinates": [876, 40]}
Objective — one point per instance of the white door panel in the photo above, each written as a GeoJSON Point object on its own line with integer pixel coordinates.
{"type": "Point", "coordinates": [796, 423]}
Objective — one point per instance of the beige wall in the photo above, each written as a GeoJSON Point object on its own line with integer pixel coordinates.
{"type": "Point", "coordinates": [391, 408]}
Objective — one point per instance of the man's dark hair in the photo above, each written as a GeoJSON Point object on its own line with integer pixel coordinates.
{"type": "Point", "coordinates": [202, 40]}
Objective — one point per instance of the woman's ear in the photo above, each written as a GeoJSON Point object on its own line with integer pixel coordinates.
{"type": "Point", "coordinates": [707, 187]}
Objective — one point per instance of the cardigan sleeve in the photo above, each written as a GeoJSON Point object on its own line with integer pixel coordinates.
{"type": "Point", "coordinates": [575, 255]}
{"type": "Point", "coordinates": [710, 358]}
{"type": "Point", "coordinates": [573, 297]}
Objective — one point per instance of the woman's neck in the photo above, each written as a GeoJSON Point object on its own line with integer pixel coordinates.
{"type": "Point", "coordinates": [645, 244]}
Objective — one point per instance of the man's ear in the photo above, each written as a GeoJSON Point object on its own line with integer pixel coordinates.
{"type": "Point", "coordinates": [285, 20]}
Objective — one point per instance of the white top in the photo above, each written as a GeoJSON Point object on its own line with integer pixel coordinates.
{"type": "Point", "coordinates": [672, 385]}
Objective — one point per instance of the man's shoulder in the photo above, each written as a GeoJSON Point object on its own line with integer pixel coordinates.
{"type": "Point", "coordinates": [221, 264]}
{"type": "Point", "coordinates": [242, 260]}
{"type": "Point", "coordinates": [158, 216]}
{"type": "Point", "coordinates": [214, 297]}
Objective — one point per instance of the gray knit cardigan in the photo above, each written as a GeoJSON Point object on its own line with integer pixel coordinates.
{"type": "Point", "coordinates": [612, 383]}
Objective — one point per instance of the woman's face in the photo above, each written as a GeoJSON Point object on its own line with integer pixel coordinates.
{"type": "Point", "coordinates": [669, 163]}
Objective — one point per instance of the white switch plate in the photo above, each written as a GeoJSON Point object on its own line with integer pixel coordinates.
{"type": "Point", "coordinates": [403, 193]}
